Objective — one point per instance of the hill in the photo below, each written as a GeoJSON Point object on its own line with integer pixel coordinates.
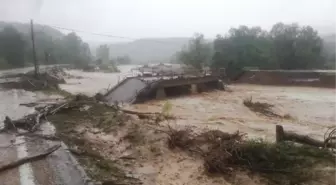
{"type": "Point", "coordinates": [25, 28]}
{"type": "Point", "coordinates": [140, 51]}
{"type": "Point", "coordinates": [151, 50]}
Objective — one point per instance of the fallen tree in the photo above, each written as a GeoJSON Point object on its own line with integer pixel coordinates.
{"type": "Point", "coordinates": [281, 136]}
{"type": "Point", "coordinates": [33, 121]}
{"type": "Point", "coordinates": [32, 158]}
{"type": "Point", "coordinates": [49, 79]}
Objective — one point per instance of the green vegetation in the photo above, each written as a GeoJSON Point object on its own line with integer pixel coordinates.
{"type": "Point", "coordinates": [103, 53]}
{"type": "Point", "coordinates": [12, 47]}
{"type": "Point", "coordinates": [51, 48]}
{"type": "Point", "coordinates": [283, 163]}
{"type": "Point", "coordinates": [197, 53]}
{"type": "Point", "coordinates": [104, 63]}
{"type": "Point", "coordinates": [285, 46]}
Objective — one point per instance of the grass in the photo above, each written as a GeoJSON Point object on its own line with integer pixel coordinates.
{"type": "Point", "coordinates": [282, 163]}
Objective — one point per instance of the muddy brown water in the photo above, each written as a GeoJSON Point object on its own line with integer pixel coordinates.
{"type": "Point", "coordinates": [312, 111]}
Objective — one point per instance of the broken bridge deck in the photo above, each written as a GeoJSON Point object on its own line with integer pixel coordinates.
{"type": "Point", "coordinates": [139, 89]}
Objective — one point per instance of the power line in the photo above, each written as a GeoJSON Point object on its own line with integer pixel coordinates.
{"type": "Point", "coordinates": [92, 33]}
{"type": "Point", "coordinates": [105, 35]}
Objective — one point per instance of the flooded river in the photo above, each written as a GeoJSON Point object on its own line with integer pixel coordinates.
{"type": "Point", "coordinates": [311, 111]}
{"type": "Point", "coordinates": [90, 83]}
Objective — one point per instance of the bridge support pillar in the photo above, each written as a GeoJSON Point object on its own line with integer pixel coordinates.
{"type": "Point", "coordinates": [160, 93]}
{"type": "Point", "coordinates": [194, 88]}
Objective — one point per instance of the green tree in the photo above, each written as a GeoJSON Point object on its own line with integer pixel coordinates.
{"type": "Point", "coordinates": [44, 47]}
{"type": "Point", "coordinates": [197, 53]}
{"type": "Point", "coordinates": [103, 53]}
{"type": "Point", "coordinates": [284, 47]}
{"type": "Point", "coordinates": [12, 47]}
{"type": "Point", "coordinates": [74, 50]}
{"type": "Point", "coordinates": [296, 47]}
{"type": "Point", "coordinates": [242, 47]}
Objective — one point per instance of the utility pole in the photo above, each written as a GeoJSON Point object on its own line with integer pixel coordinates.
{"type": "Point", "coordinates": [36, 65]}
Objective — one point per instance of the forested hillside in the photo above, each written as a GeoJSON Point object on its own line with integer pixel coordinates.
{"type": "Point", "coordinates": [52, 46]}
{"type": "Point", "coordinates": [285, 46]}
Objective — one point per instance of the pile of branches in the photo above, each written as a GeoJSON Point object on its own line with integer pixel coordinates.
{"type": "Point", "coordinates": [224, 153]}
{"type": "Point", "coordinates": [330, 136]}
{"type": "Point", "coordinates": [48, 79]}
{"type": "Point", "coordinates": [260, 107]}
{"type": "Point", "coordinates": [33, 121]}
{"type": "Point", "coordinates": [216, 147]}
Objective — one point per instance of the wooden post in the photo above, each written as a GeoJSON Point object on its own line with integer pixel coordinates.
{"type": "Point", "coordinates": [280, 134]}
{"type": "Point", "coordinates": [36, 66]}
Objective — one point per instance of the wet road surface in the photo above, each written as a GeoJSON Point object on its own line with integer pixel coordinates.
{"type": "Point", "coordinates": [56, 169]}
{"type": "Point", "coordinates": [59, 168]}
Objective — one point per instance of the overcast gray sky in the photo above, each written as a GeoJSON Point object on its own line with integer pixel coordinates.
{"type": "Point", "coordinates": [168, 18]}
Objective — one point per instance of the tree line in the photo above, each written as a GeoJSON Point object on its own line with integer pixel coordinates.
{"type": "Point", "coordinates": [103, 54]}
{"type": "Point", "coordinates": [285, 46]}
{"type": "Point", "coordinates": [16, 49]}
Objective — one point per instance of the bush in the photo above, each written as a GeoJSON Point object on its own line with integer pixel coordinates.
{"type": "Point", "coordinates": [4, 64]}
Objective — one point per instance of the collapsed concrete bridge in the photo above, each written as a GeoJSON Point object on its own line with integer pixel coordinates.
{"type": "Point", "coordinates": [140, 89]}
